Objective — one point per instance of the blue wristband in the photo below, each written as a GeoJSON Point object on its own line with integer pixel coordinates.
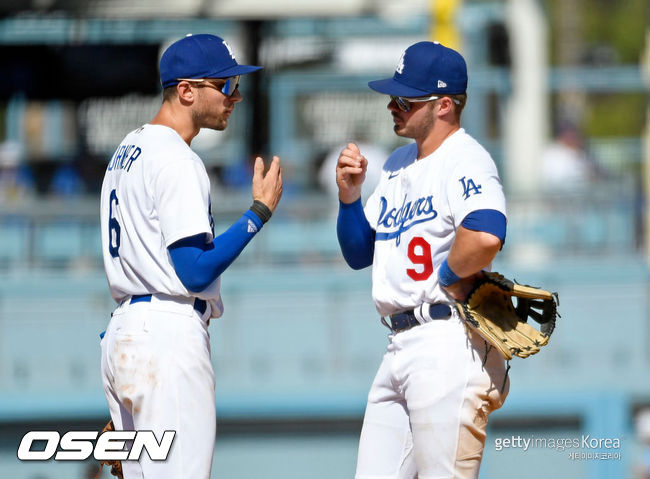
{"type": "Point", "coordinates": [446, 277]}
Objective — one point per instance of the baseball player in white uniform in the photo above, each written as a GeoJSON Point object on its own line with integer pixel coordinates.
{"type": "Point", "coordinates": [436, 219]}
{"type": "Point", "coordinates": [163, 262]}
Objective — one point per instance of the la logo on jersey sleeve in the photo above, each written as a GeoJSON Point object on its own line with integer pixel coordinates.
{"type": "Point", "coordinates": [469, 187]}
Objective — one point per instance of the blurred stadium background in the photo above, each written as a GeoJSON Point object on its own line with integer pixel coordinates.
{"type": "Point", "coordinates": [558, 94]}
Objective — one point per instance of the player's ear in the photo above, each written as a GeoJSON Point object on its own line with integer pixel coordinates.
{"type": "Point", "coordinates": [446, 106]}
{"type": "Point", "coordinates": [185, 91]}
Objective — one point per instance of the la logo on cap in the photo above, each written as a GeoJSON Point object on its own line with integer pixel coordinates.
{"type": "Point", "coordinates": [400, 64]}
{"type": "Point", "coordinates": [225, 44]}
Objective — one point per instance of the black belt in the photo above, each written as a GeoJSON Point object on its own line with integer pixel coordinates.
{"type": "Point", "coordinates": [200, 305]}
{"type": "Point", "coordinates": [408, 319]}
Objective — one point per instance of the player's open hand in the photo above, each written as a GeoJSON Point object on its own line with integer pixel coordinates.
{"type": "Point", "coordinates": [267, 188]}
{"type": "Point", "coordinates": [350, 173]}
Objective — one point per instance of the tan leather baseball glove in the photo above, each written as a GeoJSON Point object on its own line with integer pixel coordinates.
{"type": "Point", "coordinates": [489, 310]}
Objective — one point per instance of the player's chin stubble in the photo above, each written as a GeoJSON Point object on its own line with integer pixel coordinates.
{"type": "Point", "coordinates": [206, 120]}
{"type": "Point", "coordinates": [415, 129]}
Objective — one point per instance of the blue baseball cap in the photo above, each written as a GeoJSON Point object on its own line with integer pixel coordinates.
{"type": "Point", "coordinates": [426, 68]}
{"type": "Point", "coordinates": [200, 56]}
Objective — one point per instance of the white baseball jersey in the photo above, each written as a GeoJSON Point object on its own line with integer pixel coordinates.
{"type": "Point", "coordinates": [155, 191]}
{"type": "Point", "coordinates": [415, 211]}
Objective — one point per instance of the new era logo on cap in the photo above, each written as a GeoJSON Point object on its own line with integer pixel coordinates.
{"type": "Point", "coordinates": [426, 68]}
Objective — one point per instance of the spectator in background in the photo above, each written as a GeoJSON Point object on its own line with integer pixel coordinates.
{"type": "Point", "coordinates": [67, 181]}
{"type": "Point", "coordinates": [565, 164]}
{"type": "Point", "coordinates": [16, 178]}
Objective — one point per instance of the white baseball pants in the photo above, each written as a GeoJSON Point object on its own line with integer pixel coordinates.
{"type": "Point", "coordinates": [157, 376]}
{"type": "Point", "coordinates": [428, 406]}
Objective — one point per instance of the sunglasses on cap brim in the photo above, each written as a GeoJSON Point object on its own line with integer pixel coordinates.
{"type": "Point", "coordinates": [404, 104]}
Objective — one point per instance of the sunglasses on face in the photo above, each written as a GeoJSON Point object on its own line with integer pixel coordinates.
{"type": "Point", "coordinates": [404, 104]}
{"type": "Point", "coordinates": [228, 88]}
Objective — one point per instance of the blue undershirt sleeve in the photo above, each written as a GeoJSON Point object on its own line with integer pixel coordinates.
{"type": "Point", "coordinates": [356, 237]}
{"type": "Point", "coordinates": [198, 263]}
{"type": "Point", "coordinates": [489, 221]}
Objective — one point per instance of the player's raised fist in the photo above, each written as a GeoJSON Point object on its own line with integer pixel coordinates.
{"type": "Point", "coordinates": [354, 148]}
{"type": "Point", "coordinates": [350, 173]}
{"type": "Point", "coordinates": [267, 188]}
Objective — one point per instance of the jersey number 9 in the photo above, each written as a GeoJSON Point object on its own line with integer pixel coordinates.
{"type": "Point", "coordinates": [419, 253]}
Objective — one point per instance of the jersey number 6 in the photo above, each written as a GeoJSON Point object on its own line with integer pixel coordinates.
{"type": "Point", "coordinates": [419, 253]}
{"type": "Point", "coordinates": [113, 227]}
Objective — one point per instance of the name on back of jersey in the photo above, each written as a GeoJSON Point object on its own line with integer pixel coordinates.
{"type": "Point", "coordinates": [124, 157]}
